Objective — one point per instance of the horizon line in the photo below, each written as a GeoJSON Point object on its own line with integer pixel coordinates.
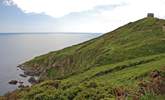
{"type": "Point", "coordinates": [51, 32]}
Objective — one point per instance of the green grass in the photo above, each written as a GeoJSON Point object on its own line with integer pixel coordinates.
{"type": "Point", "coordinates": [138, 39]}
{"type": "Point", "coordinates": [93, 69]}
{"type": "Point", "coordinates": [98, 82]}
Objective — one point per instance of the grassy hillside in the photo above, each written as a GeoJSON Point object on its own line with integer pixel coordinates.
{"type": "Point", "coordinates": [104, 83]}
{"type": "Point", "coordinates": [141, 38]}
{"type": "Point", "coordinates": [125, 64]}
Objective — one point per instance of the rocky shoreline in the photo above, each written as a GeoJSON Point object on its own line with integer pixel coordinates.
{"type": "Point", "coordinates": [31, 75]}
{"type": "Point", "coordinates": [29, 72]}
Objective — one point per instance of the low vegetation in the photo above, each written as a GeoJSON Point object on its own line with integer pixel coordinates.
{"type": "Point", "coordinates": [125, 64]}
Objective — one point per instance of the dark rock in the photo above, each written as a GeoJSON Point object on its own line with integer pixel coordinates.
{"type": "Point", "coordinates": [13, 82]}
{"type": "Point", "coordinates": [32, 80]}
{"type": "Point", "coordinates": [22, 75]}
{"type": "Point", "coordinates": [21, 86]}
{"type": "Point", "coordinates": [29, 73]}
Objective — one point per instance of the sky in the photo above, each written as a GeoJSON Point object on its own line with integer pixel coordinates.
{"type": "Point", "coordinates": [74, 15]}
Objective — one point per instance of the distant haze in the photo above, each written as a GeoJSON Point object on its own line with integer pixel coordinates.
{"type": "Point", "coordinates": [74, 15]}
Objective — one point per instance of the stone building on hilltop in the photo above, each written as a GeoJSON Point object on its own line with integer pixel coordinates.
{"type": "Point", "coordinates": [150, 15]}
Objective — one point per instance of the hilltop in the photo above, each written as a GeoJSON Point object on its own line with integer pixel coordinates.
{"type": "Point", "coordinates": [125, 63]}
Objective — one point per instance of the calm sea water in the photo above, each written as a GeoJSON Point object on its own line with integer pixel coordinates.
{"type": "Point", "coordinates": [16, 48]}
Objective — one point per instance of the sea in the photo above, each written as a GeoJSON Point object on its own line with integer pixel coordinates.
{"type": "Point", "coordinates": [17, 48]}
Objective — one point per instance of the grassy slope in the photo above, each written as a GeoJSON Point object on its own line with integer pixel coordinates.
{"type": "Point", "coordinates": [141, 38]}
{"type": "Point", "coordinates": [92, 70]}
{"type": "Point", "coordinates": [99, 82]}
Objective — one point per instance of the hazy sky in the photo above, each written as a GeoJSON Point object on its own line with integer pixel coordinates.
{"type": "Point", "coordinates": [74, 15]}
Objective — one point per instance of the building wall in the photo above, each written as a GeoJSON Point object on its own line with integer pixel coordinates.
{"type": "Point", "coordinates": [150, 15]}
